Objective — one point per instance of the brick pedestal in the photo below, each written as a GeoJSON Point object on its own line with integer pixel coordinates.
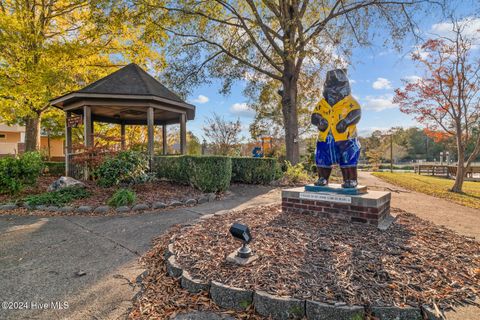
{"type": "Point", "coordinates": [372, 207]}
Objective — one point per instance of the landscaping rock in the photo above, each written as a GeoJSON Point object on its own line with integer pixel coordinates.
{"type": "Point", "coordinates": [123, 209]}
{"type": "Point", "coordinates": [202, 316]}
{"type": "Point", "coordinates": [230, 297]}
{"type": "Point", "coordinates": [432, 314]}
{"type": "Point", "coordinates": [65, 182]}
{"type": "Point", "coordinates": [191, 202]}
{"type": "Point", "coordinates": [207, 216]}
{"type": "Point", "coordinates": [173, 268]}
{"type": "Point", "coordinates": [8, 207]}
{"type": "Point", "coordinates": [175, 203]}
{"type": "Point", "coordinates": [281, 308]}
{"type": "Point", "coordinates": [66, 209]}
{"type": "Point", "coordinates": [40, 207]}
{"type": "Point", "coordinates": [52, 208]}
{"type": "Point", "coordinates": [169, 251]}
{"type": "Point", "coordinates": [322, 311]}
{"type": "Point", "coordinates": [101, 209]}
{"type": "Point", "coordinates": [84, 209]}
{"type": "Point", "coordinates": [397, 313]}
{"type": "Point", "coordinates": [202, 199]}
{"type": "Point", "coordinates": [158, 205]}
{"type": "Point", "coordinates": [211, 197]}
{"type": "Point", "coordinates": [193, 285]}
{"type": "Point", "coordinates": [140, 207]}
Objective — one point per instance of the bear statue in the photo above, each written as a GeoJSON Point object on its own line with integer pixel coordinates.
{"type": "Point", "coordinates": [336, 117]}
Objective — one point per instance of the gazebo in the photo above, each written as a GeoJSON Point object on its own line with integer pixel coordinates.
{"type": "Point", "coordinates": [129, 96]}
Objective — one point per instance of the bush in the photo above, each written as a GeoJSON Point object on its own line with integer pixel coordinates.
{"type": "Point", "coordinates": [206, 173]}
{"type": "Point", "coordinates": [57, 198]}
{"type": "Point", "coordinates": [17, 172]}
{"type": "Point", "coordinates": [254, 170]}
{"type": "Point", "coordinates": [125, 167]}
{"type": "Point", "coordinates": [122, 197]}
{"type": "Point", "coordinates": [295, 174]}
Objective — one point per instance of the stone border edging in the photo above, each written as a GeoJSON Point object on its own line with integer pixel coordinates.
{"type": "Point", "coordinates": [104, 208]}
{"type": "Point", "coordinates": [283, 308]}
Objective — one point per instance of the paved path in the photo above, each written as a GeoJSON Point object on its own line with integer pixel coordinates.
{"type": "Point", "coordinates": [89, 262]}
{"type": "Point", "coordinates": [463, 220]}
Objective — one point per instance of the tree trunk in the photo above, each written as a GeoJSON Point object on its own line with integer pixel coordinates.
{"type": "Point", "coordinates": [32, 133]}
{"type": "Point", "coordinates": [460, 176]}
{"type": "Point", "coordinates": [290, 117]}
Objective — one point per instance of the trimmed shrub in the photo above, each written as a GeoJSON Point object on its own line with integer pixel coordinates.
{"type": "Point", "coordinates": [209, 173]}
{"type": "Point", "coordinates": [125, 167]}
{"type": "Point", "coordinates": [122, 197]}
{"type": "Point", "coordinates": [173, 168]}
{"type": "Point", "coordinates": [57, 198]}
{"type": "Point", "coordinates": [254, 170]}
{"type": "Point", "coordinates": [17, 172]}
{"type": "Point", "coordinates": [206, 173]}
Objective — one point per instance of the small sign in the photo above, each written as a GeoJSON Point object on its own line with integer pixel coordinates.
{"type": "Point", "coordinates": [325, 197]}
{"type": "Point", "coordinates": [74, 121]}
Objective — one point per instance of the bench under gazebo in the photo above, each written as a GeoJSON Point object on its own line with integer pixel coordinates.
{"type": "Point", "coordinates": [129, 96]}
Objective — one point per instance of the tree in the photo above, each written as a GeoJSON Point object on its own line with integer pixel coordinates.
{"type": "Point", "coordinates": [223, 135]}
{"type": "Point", "coordinates": [48, 48]}
{"type": "Point", "coordinates": [447, 97]}
{"type": "Point", "coordinates": [268, 40]}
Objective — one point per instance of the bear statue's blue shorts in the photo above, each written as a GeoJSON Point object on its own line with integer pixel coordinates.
{"type": "Point", "coordinates": [345, 153]}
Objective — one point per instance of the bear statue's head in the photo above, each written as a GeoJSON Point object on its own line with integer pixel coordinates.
{"type": "Point", "coordinates": [336, 86]}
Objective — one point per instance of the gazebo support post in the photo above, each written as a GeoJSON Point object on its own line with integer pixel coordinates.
{"type": "Point", "coordinates": [183, 133]}
{"type": "Point", "coordinates": [87, 133]}
{"type": "Point", "coordinates": [68, 144]}
{"type": "Point", "coordinates": [150, 120]}
{"type": "Point", "coordinates": [164, 139]}
{"type": "Point", "coordinates": [122, 135]}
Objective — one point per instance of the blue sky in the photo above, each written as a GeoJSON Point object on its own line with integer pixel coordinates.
{"type": "Point", "coordinates": [375, 73]}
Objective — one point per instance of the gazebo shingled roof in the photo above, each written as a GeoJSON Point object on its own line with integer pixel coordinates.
{"type": "Point", "coordinates": [128, 96]}
{"type": "Point", "coordinates": [122, 97]}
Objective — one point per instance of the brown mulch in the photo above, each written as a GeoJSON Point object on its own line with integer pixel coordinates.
{"type": "Point", "coordinates": [163, 298]}
{"type": "Point", "coordinates": [414, 262]}
{"type": "Point", "coordinates": [149, 192]}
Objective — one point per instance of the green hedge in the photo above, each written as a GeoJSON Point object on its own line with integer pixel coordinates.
{"type": "Point", "coordinates": [206, 173]}
{"type": "Point", "coordinates": [254, 170]}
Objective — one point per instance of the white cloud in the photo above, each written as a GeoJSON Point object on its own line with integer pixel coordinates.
{"type": "Point", "coordinates": [379, 103]}
{"type": "Point", "coordinates": [367, 131]}
{"type": "Point", "coordinates": [382, 83]}
{"type": "Point", "coordinates": [411, 79]}
{"type": "Point", "coordinates": [470, 26]}
{"type": "Point", "coordinates": [201, 99]}
{"type": "Point", "coordinates": [352, 81]}
{"type": "Point", "coordinates": [242, 109]}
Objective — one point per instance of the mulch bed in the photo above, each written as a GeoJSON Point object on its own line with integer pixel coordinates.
{"type": "Point", "coordinates": [162, 296]}
{"type": "Point", "coordinates": [414, 262]}
{"type": "Point", "coordinates": [149, 192]}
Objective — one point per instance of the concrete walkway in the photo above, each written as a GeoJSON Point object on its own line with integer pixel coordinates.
{"type": "Point", "coordinates": [461, 219]}
{"type": "Point", "coordinates": [89, 262]}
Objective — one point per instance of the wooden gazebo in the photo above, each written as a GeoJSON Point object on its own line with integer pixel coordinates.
{"type": "Point", "coordinates": [129, 96]}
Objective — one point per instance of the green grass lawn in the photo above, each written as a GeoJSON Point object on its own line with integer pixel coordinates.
{"type": "Point", "coordinates": [438, 187]}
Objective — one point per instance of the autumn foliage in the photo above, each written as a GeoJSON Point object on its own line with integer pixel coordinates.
{"type": "Point", "coordinates": [447, 98]}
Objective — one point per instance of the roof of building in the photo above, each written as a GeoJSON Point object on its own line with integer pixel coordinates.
{"type": "Point", "coordinates": [133, 80]}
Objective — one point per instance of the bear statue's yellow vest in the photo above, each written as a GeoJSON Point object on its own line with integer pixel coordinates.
{"type": "Point", "coordinates": [333, 114]}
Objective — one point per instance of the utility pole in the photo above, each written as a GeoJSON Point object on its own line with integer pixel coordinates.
{"type": "Point", "coordinates": [391, 152]}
